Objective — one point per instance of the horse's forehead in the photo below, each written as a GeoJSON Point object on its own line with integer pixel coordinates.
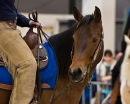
{"type": "Point", "coordinates": [91, 28]}
{"type": "Point", "coordinates": [94, 30]}
{"type": "Point", "coordinates": [95, 25]}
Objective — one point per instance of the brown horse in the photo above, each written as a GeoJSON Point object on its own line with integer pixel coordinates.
{"type": "Point", "coordinates": [84, 42]}
{"type": "Point", "coordinates": [78, 51]}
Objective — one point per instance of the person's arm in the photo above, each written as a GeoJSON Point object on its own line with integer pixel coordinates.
{"type": "Point", "coordinates": [25, 22]}
{"type": "Point", "coordinates": [22, 21]}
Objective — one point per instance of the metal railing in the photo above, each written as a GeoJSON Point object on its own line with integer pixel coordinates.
{"type": "Point", "coordinates": [98, 84]}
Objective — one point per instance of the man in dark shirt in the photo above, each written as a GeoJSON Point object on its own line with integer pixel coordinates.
{"type": "Point", "coordinates": [16, 54]}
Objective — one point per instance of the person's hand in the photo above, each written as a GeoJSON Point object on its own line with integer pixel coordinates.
{"type": "Point", "coordinates": [119, 55]}
{"type": "Point", "coordinates": [36, 24]}
{"type": "Point", "coordinates": [106, 78]}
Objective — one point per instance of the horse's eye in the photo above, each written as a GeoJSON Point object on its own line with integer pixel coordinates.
{"type": "Point", "coordinates": [94, 40]}
{"type": "Point", "coordinates": [129, 56]}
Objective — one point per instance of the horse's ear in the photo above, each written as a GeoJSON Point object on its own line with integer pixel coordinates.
{"type": "Point", "coordinates": [97, 14]}
{"type": "Point", "coordinates": [77, 15]}
{"type": "Point", "coordinates": [127, 40]}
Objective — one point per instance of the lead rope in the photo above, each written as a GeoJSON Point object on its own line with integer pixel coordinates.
{"type": "Point", "coordinates": [53, 99]}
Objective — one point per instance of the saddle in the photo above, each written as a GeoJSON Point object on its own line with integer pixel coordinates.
{"type": "Point", "coordinates": [31, 40]}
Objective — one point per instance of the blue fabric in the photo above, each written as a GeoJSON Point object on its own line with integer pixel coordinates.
{"type": "Point", "coordinates": [87, 92]}
{"type": "Point", "coordinates": [5, 76]}
{"type": "Point", "coordinates": [9, 12]}
{"type": "Point", "coordinates": [94, 89]}
{"type": "Point", "coordinates": [48, 74]}
{"type": "Point", "coordinates": [103, 96]}
{"type": "Point", "coordinates": [106, 91]}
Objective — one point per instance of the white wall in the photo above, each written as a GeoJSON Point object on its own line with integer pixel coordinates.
{"type": "Point", "coordinates": [109, 19]}
{"type": "Point", "coordinates": [107, 8]}
{"type": "Point", "coordinates": [88, 6]}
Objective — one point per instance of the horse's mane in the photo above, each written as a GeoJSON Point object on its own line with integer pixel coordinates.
{"type": "Point", "coordinates": [85, 20]}
{"type": "Point", "coordinates": [63, 43]}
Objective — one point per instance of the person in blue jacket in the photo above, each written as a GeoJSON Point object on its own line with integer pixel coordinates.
{"type": "Point", "coordinates": [16, 54]}
{"type": "Point", "coordinates": [87, 90]}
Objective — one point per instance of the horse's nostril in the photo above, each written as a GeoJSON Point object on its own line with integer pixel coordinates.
{"type": "Point", "coordinates": [76, 72]}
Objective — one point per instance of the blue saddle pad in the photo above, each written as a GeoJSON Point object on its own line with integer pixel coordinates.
{"type": "Point", "coordinates": [48, 74]}
{"type": "Point", "coordinates": [5, 76]}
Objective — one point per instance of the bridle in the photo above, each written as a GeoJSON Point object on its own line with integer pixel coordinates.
{"type": "Point", "coordinates": [98, 48]}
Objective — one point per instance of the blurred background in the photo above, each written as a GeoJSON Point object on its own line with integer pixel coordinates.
{"type": "Point", "coordinates": [56, 16]}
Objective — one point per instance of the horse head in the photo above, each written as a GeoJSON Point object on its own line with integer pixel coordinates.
{"type": "Point", "coordinates": [87, 40]}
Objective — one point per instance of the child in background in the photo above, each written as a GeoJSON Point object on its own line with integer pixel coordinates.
{"type": "Point", "coordinates": [105, 73]}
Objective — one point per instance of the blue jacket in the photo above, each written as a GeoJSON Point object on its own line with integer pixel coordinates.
{"type": "Point", "coordinates": [9, 12]}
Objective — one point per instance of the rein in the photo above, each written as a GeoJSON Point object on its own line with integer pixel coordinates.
{"type": "Point", "coordinates": [52, 100]}
{"type": "Point", "coordinates": [34, 15]}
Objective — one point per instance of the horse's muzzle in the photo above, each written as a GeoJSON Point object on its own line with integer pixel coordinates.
{"type": "Point", "coordinates": [76, 75]}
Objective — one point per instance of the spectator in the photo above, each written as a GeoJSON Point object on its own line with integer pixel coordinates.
{"type": "Point", "coordinates": [105, 72]}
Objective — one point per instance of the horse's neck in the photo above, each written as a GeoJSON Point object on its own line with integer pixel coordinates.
{"type": "Point", "coordinates": [62, 44]}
